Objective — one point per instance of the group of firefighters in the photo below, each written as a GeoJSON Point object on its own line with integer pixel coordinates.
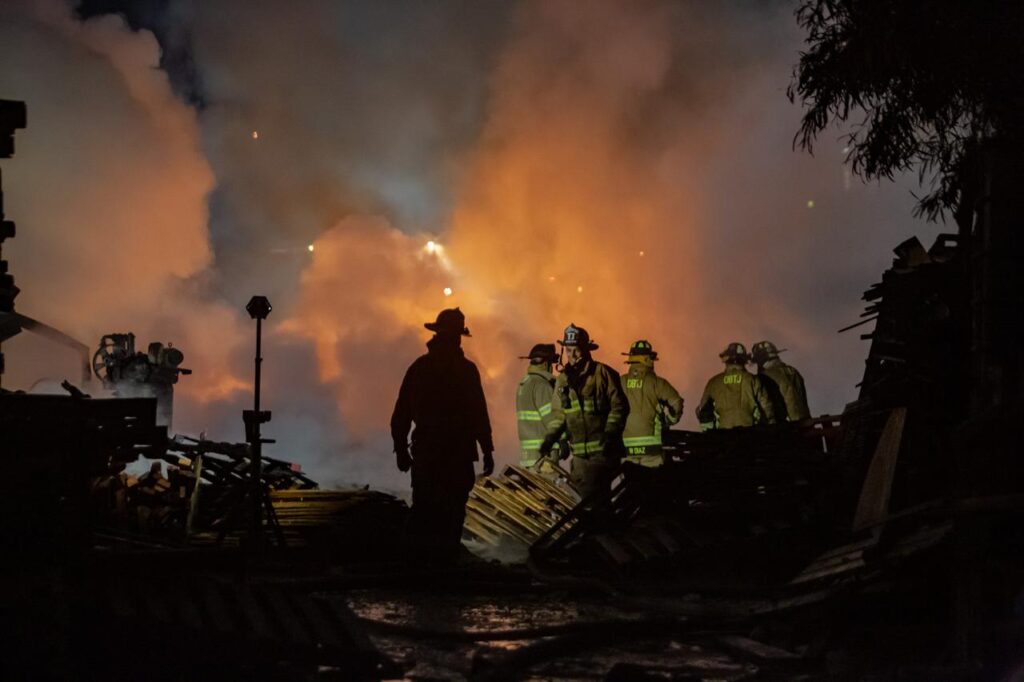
{"type": "Point", "coordinates": [598, 418]}
{"type": "Point", "coordinates": [587, 412]}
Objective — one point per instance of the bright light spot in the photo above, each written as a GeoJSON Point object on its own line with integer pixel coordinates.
{"type": "Point", "coordinates": [310, 247]}
{"type": "Point", "coordinates": [579, 289]}
{"type": "Point", "coordinates": [810, 203]}
{"type": "Point", "coordinates": [846, 150]}
{"type": "Point", "coordinates": [641, 254]}
{"type": "Point", "coordinates": [447, 291]}
{"type": "Point", "coordinates": [551, 278]}
{"type": "Point", "coordinates": [255, 135]}
{"type": "Point", "coordinates": [435, 250]}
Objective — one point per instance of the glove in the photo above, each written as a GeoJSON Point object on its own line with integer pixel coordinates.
{"type": "Point", "coordinates": [403, 460]}
{"type": "Point", "coordinates": [488, 463]}
{"type": "Point", "coordinates": [544, 465]}
{"type": "Point", "coordinates": [545, 448]}
{"type": "Point", "coordinates": [613, 445]}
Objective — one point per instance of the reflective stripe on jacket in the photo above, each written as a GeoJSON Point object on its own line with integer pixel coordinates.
{"type": "Point", "coordinates": [590, 407]}
{"type": "Point", "coordinates": [533, 412]}
{"type": "Point", "coordinates": [734, 398]}
{"type": "Point", "coordinates": [653, 404]}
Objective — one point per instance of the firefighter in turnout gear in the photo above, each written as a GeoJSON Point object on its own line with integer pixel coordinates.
{"type": "Point", "coordinates": [783, 383]}
{"type": "Point", "coordinates": [654, 405]}
{"type": "Point", "coordinates": [442, 395]}
{"type": "Point", "coordinates": [533, 402]}
{"type": "Point", "coordinates": [734, 397]}
{"type": "Point", "coordinates": [590, 407]}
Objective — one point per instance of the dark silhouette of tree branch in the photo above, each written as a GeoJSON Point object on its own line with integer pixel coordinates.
{"type": "Point", "coordinates": [918, 84]}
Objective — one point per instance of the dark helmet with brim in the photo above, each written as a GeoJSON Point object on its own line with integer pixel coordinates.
{"type": "Point", "coordinates": [577, 336]}
{"type": "Point", "coordinates": [735, 352]}
{"type": "Point", "coordinates": [763, 351]}
{"type": "Point", "coordinates": [641, 349]}
{"type": "Point", "coordinates": [541, 352]}
{"type": "Point", "coordinates": [449, 321]}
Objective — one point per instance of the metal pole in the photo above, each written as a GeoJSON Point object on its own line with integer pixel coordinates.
{"type": "Point", "coordinates": [256, 447]}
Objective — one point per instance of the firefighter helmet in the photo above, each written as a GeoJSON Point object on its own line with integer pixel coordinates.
{"type": "Point", "coordinates": [642, 348]}
{"type": "Point", "coordinates": [540, 353]}
{"type": "Point", "coordinates": [763, 351]}
{"type": "Point", "coordinates": [449, 321]}
{"type": "Point", "coordinates": [735, 352]}
{"type": "Point", "coordinates": [577, 336]}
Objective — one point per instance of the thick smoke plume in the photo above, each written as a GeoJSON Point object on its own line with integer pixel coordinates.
{"type": "Point", "coordinates": [634, 176]}
{"type": "Point", "coordinates": [108, 188]}
{"type": "Point", "coordinates": [624, 166]}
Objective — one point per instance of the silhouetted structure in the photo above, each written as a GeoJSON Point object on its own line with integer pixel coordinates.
{"type": "Point", "coordinates": [442, 395]}
{"type": "Point", "coordinates": [943, 94]}
{"type": "Point", "coordinates": [12, 117]}
{"type": "Point", "coordinates": [12, 323]}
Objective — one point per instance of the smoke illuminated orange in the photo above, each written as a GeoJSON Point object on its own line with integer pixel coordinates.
{"type": "Point", "coordinates": [557, 206]}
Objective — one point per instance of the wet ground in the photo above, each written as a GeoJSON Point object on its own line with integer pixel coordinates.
{"type": "Point", "coordinates": [600, 641]}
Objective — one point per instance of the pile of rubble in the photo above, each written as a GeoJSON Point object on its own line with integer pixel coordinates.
{"type": "Point", "coordinates": [197, 493]}
{"type": "Point", "coordinates": [192, 485]}
{"type": "Point", "coordinates": [151, 504]}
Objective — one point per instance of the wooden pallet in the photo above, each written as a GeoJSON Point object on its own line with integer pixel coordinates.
{"type": "Point", "coordinates": [517, 504]}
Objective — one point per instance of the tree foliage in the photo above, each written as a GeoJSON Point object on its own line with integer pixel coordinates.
{"type": "Point", "coordinates": [920, 83]}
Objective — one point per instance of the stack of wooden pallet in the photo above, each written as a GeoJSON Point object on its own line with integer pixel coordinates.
{"type": "Point", "coordinates": [340, 519]}
{"type": "Point", "coordinates": [518, 504]}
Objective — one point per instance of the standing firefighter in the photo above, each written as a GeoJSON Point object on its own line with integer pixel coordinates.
{"type": "Point", "coordinates": [734, 397]}
{"type": "Point", "coordinates": [442, 395]}
{"type": "Point", "coordinates": [783, 383]}
{"type": "Point", "coordinates": [589, 406]}
{"type": "Point", "coordinates": [654, 404]}
{"type": "Point", "coordinates": [533, 402]}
